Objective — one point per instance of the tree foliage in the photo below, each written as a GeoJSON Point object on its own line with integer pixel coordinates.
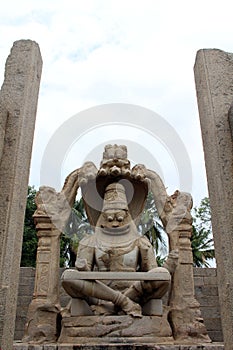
{"type": "Point", "coordinates": [29, 248]}
{"type": "Point", "coordinates": [202, 238]}
{"type": "Point", "coordinates": [151, 226]}
{"type": "Point", "coordinates": [76, 228]}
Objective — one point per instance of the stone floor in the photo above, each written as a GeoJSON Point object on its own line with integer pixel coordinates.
{"type": "Point", "coordinates": [119, 346]}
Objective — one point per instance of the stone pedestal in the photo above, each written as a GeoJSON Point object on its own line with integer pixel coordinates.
{"type": "Point", "coordinates": [115, 329]}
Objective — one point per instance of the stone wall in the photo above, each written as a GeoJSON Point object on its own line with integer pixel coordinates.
{"type": "Point", "coordinates": [206, 292]}
{"type": "Point", "coordinates": [25, 292]}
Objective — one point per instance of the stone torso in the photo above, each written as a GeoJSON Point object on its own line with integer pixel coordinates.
{"type": "Point", "coordinates": [112, 259]}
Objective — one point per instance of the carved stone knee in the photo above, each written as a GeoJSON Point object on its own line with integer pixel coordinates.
{"type": "Point", "coordinates": [73, 287]}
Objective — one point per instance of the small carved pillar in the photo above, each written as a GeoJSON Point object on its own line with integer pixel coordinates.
{"type": "Point", "coordinates": [53, 210]}
{"type": "Point", "coordinates": [48, 260]}
{"type": "Point", "coordinates": [51, 215]}
{"type": "Point", "coordinates": [185, 315]}
{"type": "Point", "coordinates": [43, 311]}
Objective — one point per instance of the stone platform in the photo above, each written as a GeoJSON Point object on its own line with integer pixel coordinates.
{"type": "Point", "coordinates": [112, 329]}
{"type": "Point", "coordinates": [123, 334]}
{"type": "Point", "coordinates": [118, 346]}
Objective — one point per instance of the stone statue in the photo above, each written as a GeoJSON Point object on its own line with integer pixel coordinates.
{"type": "Point", "coordinates": [117, 291]}
{"type": "Point", "coordinates": [116, 246]}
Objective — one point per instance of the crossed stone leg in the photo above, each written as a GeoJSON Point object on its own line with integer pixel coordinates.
{"type": "Point", "coordinates": [97, 289]}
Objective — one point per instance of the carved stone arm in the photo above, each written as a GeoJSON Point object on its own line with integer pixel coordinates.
{"type": "Point", "coordinates": [159, 191]}
{"type": "Point", "coordinates": [77, 178]}
{"type": "Point", "coordinates": [71, 186]}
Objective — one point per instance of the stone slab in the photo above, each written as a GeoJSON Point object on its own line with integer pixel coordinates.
{"type": "Point", "coordinates": [108, 275]}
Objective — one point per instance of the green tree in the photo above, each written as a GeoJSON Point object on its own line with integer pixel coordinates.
{"type": "Point", "coordinates": [76, 228]}
{"type": "Point", "coordinates": [202, 238]}
{"type": "Point", "coordinates": [151, 226]}
{"type": "Point", "coordinates": [29, 248]}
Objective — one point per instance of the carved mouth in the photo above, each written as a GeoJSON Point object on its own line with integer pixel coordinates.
{"type": "Point", "coordinates": [116, 230]}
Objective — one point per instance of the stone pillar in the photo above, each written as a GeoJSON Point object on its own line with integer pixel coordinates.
{"type": "Point", "coordinates": [18, 104]}
{"type": "Point", "coordinates": [185, 315]}
{"type": "Point", "coordinates": [187, 323]}
{"type": "Point", "coordinates": [42, 313]}
{"type": "Point", "coordinates": [214, 84]}
{"type": "Point", "coordinates": [51, 215]}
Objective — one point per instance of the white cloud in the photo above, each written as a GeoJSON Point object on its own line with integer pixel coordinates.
{"type": "Point", "coordinates": [139, 52]}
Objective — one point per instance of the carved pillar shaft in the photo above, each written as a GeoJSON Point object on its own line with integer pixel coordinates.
{"type": "Point", "coordinates": [183, 276]}
{"type": "Point", "coordinates": [185, 309]}
{"type": "Point", "coordinates": [47, 265]}
{"type": "Point", "coordinates": [185, 315]}
{"type": "Point", "coordinates": [186, 264]}
{"type": "Point", "coordinates": [45, 305]}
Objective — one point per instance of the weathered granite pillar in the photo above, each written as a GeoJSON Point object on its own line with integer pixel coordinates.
{"type": "Point", "coordinates": [214, 84]}
{"type": "Point", "coordinates": [18, 104]}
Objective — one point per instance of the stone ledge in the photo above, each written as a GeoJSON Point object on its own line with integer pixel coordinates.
{"type": "Point", "coordinates": [118, 346]}
{"type": "Point", "coordinates": [160, 275]}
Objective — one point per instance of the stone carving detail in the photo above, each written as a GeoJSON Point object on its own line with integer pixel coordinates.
{"type": "Point", "coordinates": [117, 285]}
{"type": "Point", "coordinates": [114, 161]}
{"type": "Point", "coordinates": [54, 205]}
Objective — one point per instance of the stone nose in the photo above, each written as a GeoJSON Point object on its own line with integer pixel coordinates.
{"type": "Point", "coordinates": [115, 223]}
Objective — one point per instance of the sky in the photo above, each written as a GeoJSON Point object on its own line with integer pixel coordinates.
{"type": "Point", "coordinates": [118, 72]}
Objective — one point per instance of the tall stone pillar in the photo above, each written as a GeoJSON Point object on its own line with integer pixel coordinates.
{"type": "Point", "coordinates": [18, 104]}
{"type": "Point", "coordinates": [214, 84]}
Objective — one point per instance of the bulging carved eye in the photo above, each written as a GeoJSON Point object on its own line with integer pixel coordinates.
{"type": "Point", "coordinates": [110, 218]}
{"type": "Point", "coordinates": [120, 218]}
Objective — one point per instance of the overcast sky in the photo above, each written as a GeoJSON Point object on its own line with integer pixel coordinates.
{"type": "Point", "coordinates": [138, 53]}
